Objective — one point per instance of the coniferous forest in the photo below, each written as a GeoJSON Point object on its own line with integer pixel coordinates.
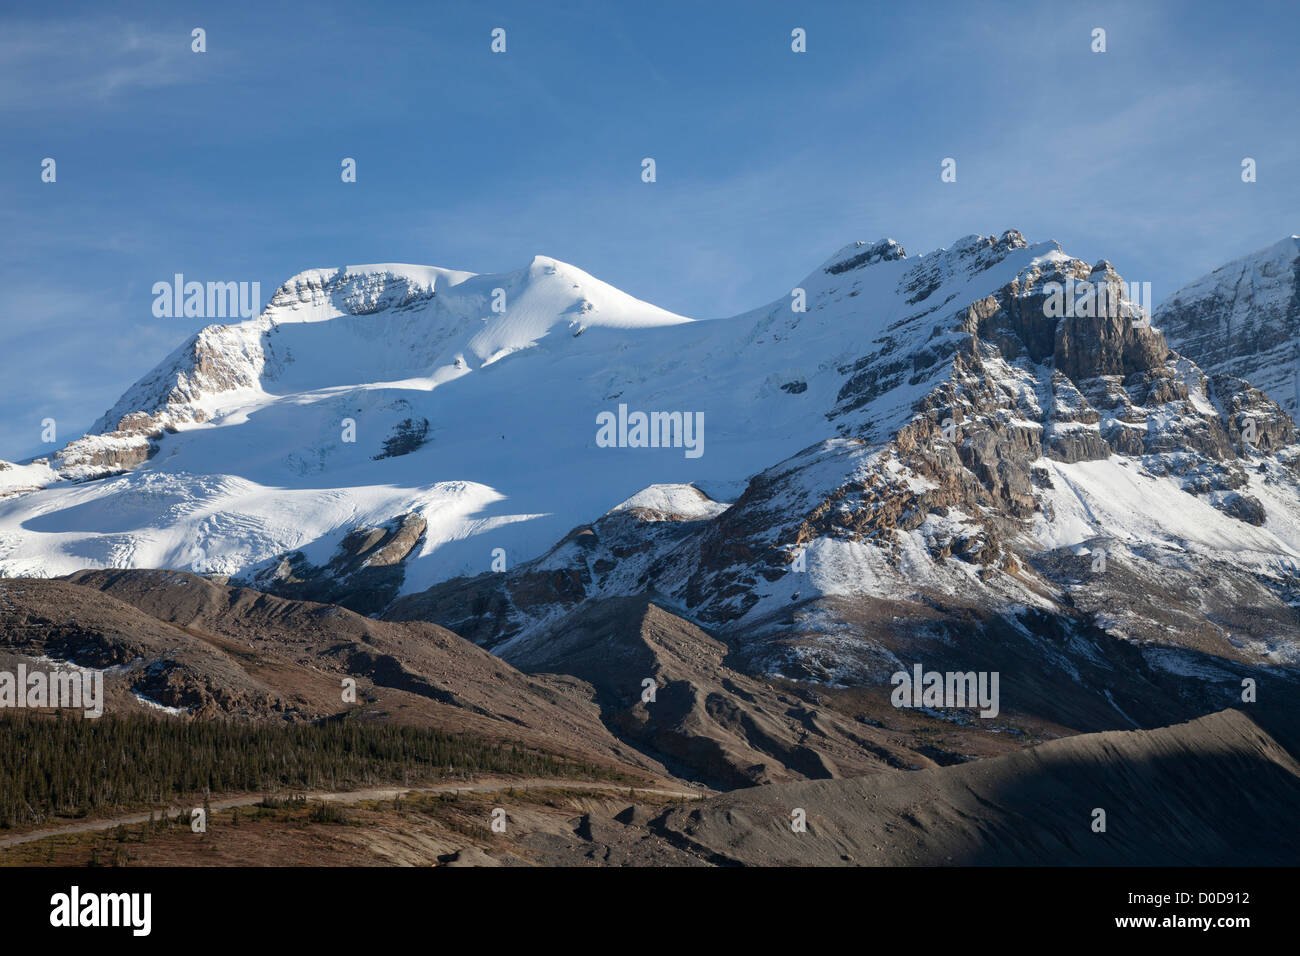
{"type": "Point", "coordinates": [63, 765]}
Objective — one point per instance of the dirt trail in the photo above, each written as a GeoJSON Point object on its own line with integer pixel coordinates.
{"type": "Point", "coordinates": [354, 796]}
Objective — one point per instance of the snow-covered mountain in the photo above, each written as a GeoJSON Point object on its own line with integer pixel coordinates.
{"type": "Point", "coordinates": [232, 452]}
{"type": "Point", "coordinates": [928, 455]}
{"type": "Point", "coordinates": [986, 479]}
{"type": "Point", "coordinates": [238, 447]}
{"type": "Point", "coordinates": [1244, 319]}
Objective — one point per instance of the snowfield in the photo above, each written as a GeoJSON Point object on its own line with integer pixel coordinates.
{"type": "Point", "coordinates": [258, 463]}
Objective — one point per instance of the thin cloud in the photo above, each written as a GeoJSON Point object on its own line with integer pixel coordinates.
{"type": "Point", "coordinates": [44, 64]}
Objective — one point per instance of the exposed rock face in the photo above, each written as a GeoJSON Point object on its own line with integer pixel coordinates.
{"type": "Point", "coordinates": [406, 438]}
{"type": "Point", "coordinates": [219, 358]}
{"type": "Point", "coordinates": [358, 295]}
{"type": "Point", "coordinates": [1106, 339]}
{"type": "Point", "coordinates": [111, 452]}
{"type": "Point", "coordinates": [364, 576]}
{"type": "Point", "coordinates": [863, 254]}
{"type": "Point", "coordinates": [1243, 320]}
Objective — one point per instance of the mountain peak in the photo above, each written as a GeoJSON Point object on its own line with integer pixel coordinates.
{"type": "Point", "coordinates": [858, 254]}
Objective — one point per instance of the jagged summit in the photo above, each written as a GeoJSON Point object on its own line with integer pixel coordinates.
{"type": "Point", "coordinates": [984, 249]}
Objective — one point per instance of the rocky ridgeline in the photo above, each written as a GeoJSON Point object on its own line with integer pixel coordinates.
{"type": "Point", "coordinates": [1025, 385]}
{"type": "Point", "coordinates": [351, 294]}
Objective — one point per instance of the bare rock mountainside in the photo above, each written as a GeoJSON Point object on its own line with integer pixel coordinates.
{"type": "Point", "coordinates": [929, 460]}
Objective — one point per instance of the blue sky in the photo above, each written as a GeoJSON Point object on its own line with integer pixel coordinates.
{"type": "Point", "coordinates": [225, 165]}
